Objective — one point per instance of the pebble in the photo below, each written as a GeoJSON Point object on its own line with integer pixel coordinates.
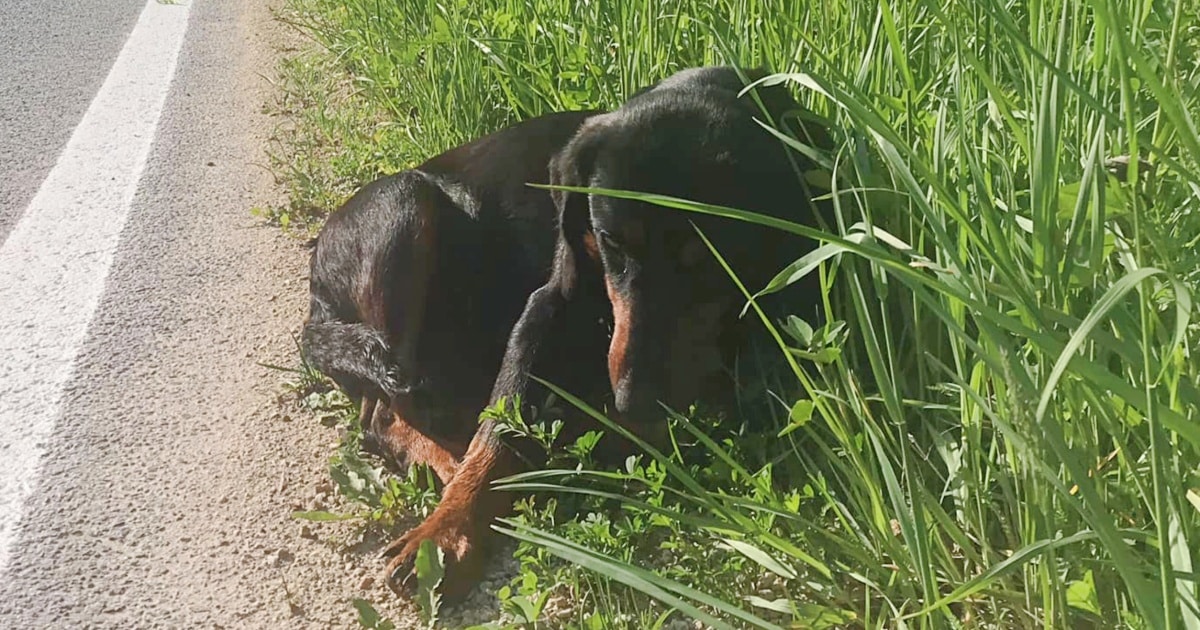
{"type": "Point", "coordinates": [281, 558]}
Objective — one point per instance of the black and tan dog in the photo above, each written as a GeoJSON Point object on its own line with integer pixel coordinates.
{"type": "Point", "coordinates": [418, 281]}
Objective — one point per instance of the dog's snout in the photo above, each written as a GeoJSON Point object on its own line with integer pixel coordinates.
{"type": "Point", "coordinates": [636, 404]}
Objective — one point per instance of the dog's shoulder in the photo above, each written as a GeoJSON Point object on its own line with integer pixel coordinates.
{"type": "Point", "coordinates": [511, 148]}
{"type": "Point", "coordinates": [493, 171]}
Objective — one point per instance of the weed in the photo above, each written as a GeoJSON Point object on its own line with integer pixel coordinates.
{"type": "Point", "coordinates": [369, 618]}
{"type": "Point", "coordinates": [1001, 428]}
{"type": "Point", "coordinates": [430, 568]}
{"type": "Point", "coordinates": [382, 498]}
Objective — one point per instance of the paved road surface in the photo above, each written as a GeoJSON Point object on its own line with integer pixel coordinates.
{"type": "Point", "coordinates": [165, 471]}
{"type": "Point", "coordinates": [53, 58]}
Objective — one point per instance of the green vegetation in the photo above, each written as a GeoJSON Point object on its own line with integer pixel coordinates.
{"type": "Point", "coordinates": [998, 428]}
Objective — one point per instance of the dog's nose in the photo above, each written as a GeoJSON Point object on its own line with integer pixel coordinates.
{"type": "Point", "coordinates": [642, 416]}
{"type": "Point", "coordinates": [637, 405]}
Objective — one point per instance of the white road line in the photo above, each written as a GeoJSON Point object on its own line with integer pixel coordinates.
{"type": "Point", "coordinates": [55, 261]}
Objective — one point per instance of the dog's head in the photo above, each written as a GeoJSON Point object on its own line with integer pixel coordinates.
{"type": "Point", "coordinates": [692, 137]}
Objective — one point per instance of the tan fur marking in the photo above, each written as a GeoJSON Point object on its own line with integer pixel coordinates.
{"type": "Point", "coordinates": [590, 246]}
{"type": "Point", "coordinates": [411, 446]}
{"type": "Point", "coordinates": [620, 338]}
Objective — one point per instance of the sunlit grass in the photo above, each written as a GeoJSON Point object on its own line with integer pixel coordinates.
{"type": "Point", "coordinates": [1001, 429]}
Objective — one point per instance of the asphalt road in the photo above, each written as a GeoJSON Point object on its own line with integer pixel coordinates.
{"type": "Point", "coordinates": [164, 483]}
{"type": "Point", "coordinates": [53, 58]}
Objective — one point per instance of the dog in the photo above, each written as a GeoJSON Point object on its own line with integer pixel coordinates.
{"type": "Point", "coordinates": [416, 281]}
{"type": "Point", "coordinates": [669, 313]}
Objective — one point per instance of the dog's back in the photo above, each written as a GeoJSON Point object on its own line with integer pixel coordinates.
{"type": "Point", "coordinates": [402, 273]}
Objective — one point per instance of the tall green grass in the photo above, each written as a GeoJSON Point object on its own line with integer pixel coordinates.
{"type": "Point", "coordinates": [999, 427]}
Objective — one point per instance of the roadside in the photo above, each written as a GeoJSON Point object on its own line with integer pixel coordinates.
{"type": "Point", "coordinates": [166, 492]}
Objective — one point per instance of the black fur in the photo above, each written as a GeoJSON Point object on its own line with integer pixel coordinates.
{"type": "Point", "coordinates": [689, 136]}
{"type": "Point", "coordinates": [490, 243]}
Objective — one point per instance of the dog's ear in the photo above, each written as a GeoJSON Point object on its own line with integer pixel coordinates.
{"type": "Point", "coordinates": [775, 98]}
{"type": "Point", "coordinates": [781, 107]}
{"type": "Point", "coordinates": [577, 257]}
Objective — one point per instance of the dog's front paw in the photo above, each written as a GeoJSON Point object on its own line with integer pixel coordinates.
{"type": "Point", "coordinates": [462, 543]}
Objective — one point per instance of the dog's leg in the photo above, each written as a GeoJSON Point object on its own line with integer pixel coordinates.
{"type": "Point", "coordinates": [390, 291]}
{"type": "Point", "coordinates": [547, 332]}
{"type": "Point", "coordinates": [461, 524]}
{"type": "Point", "coordinates": [399, 290]}
{"type": "Point", "coordinates": [407, 445]}
{"type": "Point", "coordinates": [366, 419]}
